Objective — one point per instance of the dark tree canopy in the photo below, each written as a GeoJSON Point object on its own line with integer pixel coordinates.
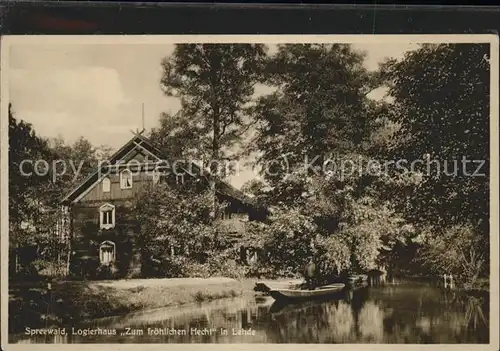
{"type": "Point", "coordinates": [320, 112]}
{"type": "Point", "coordinates": [320, 108]}
{"type": "Point", "coordinates": [441, 103]}
{"type": "Point", "coordinates": [25, 185]}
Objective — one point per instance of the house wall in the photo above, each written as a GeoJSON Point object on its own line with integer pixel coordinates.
{"type": "Point", "coordinates": [87, 238]}
{"type": "Point", "coordinates": [139, 180]}
{"type": "Point", "coordinates": [236, 223]}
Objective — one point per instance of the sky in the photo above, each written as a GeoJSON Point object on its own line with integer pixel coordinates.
{"type": "Point", "coordinates": [97, 90]}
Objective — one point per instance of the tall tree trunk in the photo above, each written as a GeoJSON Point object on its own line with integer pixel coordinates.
{"type": "Point", "coordinates": [16, 249]}
{"type": "Point", "coordinates": [69, 234]}
{"type": "Point", "coordinates": [68, 259]}
{"type": "Point", "coordinates": [214, 162]}
{"type": "Point", "coordinates": [16, 260]}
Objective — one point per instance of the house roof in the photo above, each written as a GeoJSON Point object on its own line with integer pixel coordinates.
{"type": "Point", "coordinates": [139, 140]}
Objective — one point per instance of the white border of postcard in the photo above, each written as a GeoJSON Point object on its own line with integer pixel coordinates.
{"type": "Point", "coordinates": [493, 40]}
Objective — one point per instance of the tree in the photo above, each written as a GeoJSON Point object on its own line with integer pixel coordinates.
{"type": "Point", "coordinates": [441, 105]}
{"type": "Point", "coordinates": [463, 257]}
{"type": "Point", "coordinates": [320, 112]}
{"type": "Point", "coordinates": [73, 163]}
{"type": "Point", "coordinates": [318, 123]}
{"type": "Point", "coordinates": [372, 228]}
{"type": "Point", "coordinates": [441, 97]}
{"type": "Point", "coordinates": [320, 107]}
{"type": "Point", "coordinates": [215, 84]}
{"type": "Point", "coordinates": [177, 137]}
{"type": "Point", "coordinates": [30, 218]}
{"type": "Point", "coordinates": [41, 172]}
{"type": "Point", "coordinates": [288, 241]}
{"type": "Point", "coordinates": [26, 177]}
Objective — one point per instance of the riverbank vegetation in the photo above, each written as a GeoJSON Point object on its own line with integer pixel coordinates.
{"type": "Point", "coordinates": [360, 169]}
{"type": "Point", "coordinates": [74, 302]}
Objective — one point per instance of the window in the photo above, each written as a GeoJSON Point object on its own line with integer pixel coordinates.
{"type": "Point", "coordinates": [107, 216]}
{"type": "Point", "coordinates": [106, 185]}
{"type": "Point", "coordinates": [179, 178]}
{"type": "Point", "coordinates": [225, 214]}
{"type": "Point", "coordinates": [126, 179]}
{"type": "Point", "coordinates": [107, 252]}
{"type": "Point", "coordinates": [156, 176]}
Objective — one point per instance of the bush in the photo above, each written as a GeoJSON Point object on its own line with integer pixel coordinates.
{"type": "Point", "coordinates": [458, 250]}
{"type": "Point", "coordinates": [222, 266]}
{"type": "Point", "coordinates": [217, 264]}
{"type": "Point", "coordinates": [27, 273]}
{"type": "Point", "coordinates": [174, 266]}
{"type": "Point", "coordinates": [50, 269]}
{"type": "Point", "coordinates": [107, 271]}
{"type": "Point", "coordinates": [166, 267]}
{"type": "Point", "coordinates": [84, 267]}
{"type": "Point", "coordinates": [261, 271]}
{"type": "Point", "coordinates": [287, 241]}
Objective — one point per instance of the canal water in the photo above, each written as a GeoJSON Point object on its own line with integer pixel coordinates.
{"type": "Point", "coordinates": [399, 313]}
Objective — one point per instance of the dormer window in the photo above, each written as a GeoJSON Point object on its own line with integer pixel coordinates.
{"type": "Point", "coordinates": [126, 179]}
{"type": "Point", "coordinates": [106, 185]}
{"type": "Point", "coordinates": [107, 216]}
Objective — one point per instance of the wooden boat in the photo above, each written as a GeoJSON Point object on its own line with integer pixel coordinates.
{"type": "Point", "coordinates": [284, 307]}
{"type": "Point", "coordinates": [287, 306]}
{"type": "Point", "coordinates": [268, 285]}
{"type": "Point", "coordinates": [303, 294]}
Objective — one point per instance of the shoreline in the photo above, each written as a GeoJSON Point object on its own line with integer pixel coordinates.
{"type": "Point", "coordinates": [79, 302]}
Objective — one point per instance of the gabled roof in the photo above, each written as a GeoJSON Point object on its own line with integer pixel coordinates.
{"type": "Point", "coordinates": [146, 144]}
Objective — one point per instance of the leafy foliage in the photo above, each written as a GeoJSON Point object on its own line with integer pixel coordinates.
{"type": "Point", "coordinates": [320, 106]}
{"type": "Point", "coordinates": [464, 257]}
{"type": "Point", "coordinates": [441, 107]}
{"type": "Point", "coordinates": [51, 168]}
{"type": "Point", "coordinates": [441, 98]}
{"type": "Point", "coordinates": [372, 229]}
{"type": "Point", "coordinates": [288, 240]}
{"type": "Point", "coordinates": [74, 163]}
{"type": "Point", "coordinates": [316, 136]}
{"type": "Point", "coordinates": [316, 125]}
{"type": "Point", "coordinates": [25, 189]}
{"type": "Point", "coordinates": [254, 188]}
{"type": "Point", "coordinates": [178, 218]}
{"type": "Point", "coordinates": [215, 83]}
{"type": "Point", "coordinates": [334, 254]}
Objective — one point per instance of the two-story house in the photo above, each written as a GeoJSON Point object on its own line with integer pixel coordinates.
{"type": "Point", "coordinates": [97, 213]}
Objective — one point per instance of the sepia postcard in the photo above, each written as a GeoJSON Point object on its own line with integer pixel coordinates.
{"type": "Point", "coordinates": [319, 191]}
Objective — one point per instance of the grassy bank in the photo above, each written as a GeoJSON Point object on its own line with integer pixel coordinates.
{"type": "Point", "coordinates": [75, 302]}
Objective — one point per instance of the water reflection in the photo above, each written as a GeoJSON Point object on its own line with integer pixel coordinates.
{"type": "Point", "coordinates": [405, 313]}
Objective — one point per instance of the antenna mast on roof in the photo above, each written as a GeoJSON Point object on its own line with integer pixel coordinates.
{"type": "Point", "coordinates": [143, 129]}
{"type": "Point", "coordinates": [137, 131]}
